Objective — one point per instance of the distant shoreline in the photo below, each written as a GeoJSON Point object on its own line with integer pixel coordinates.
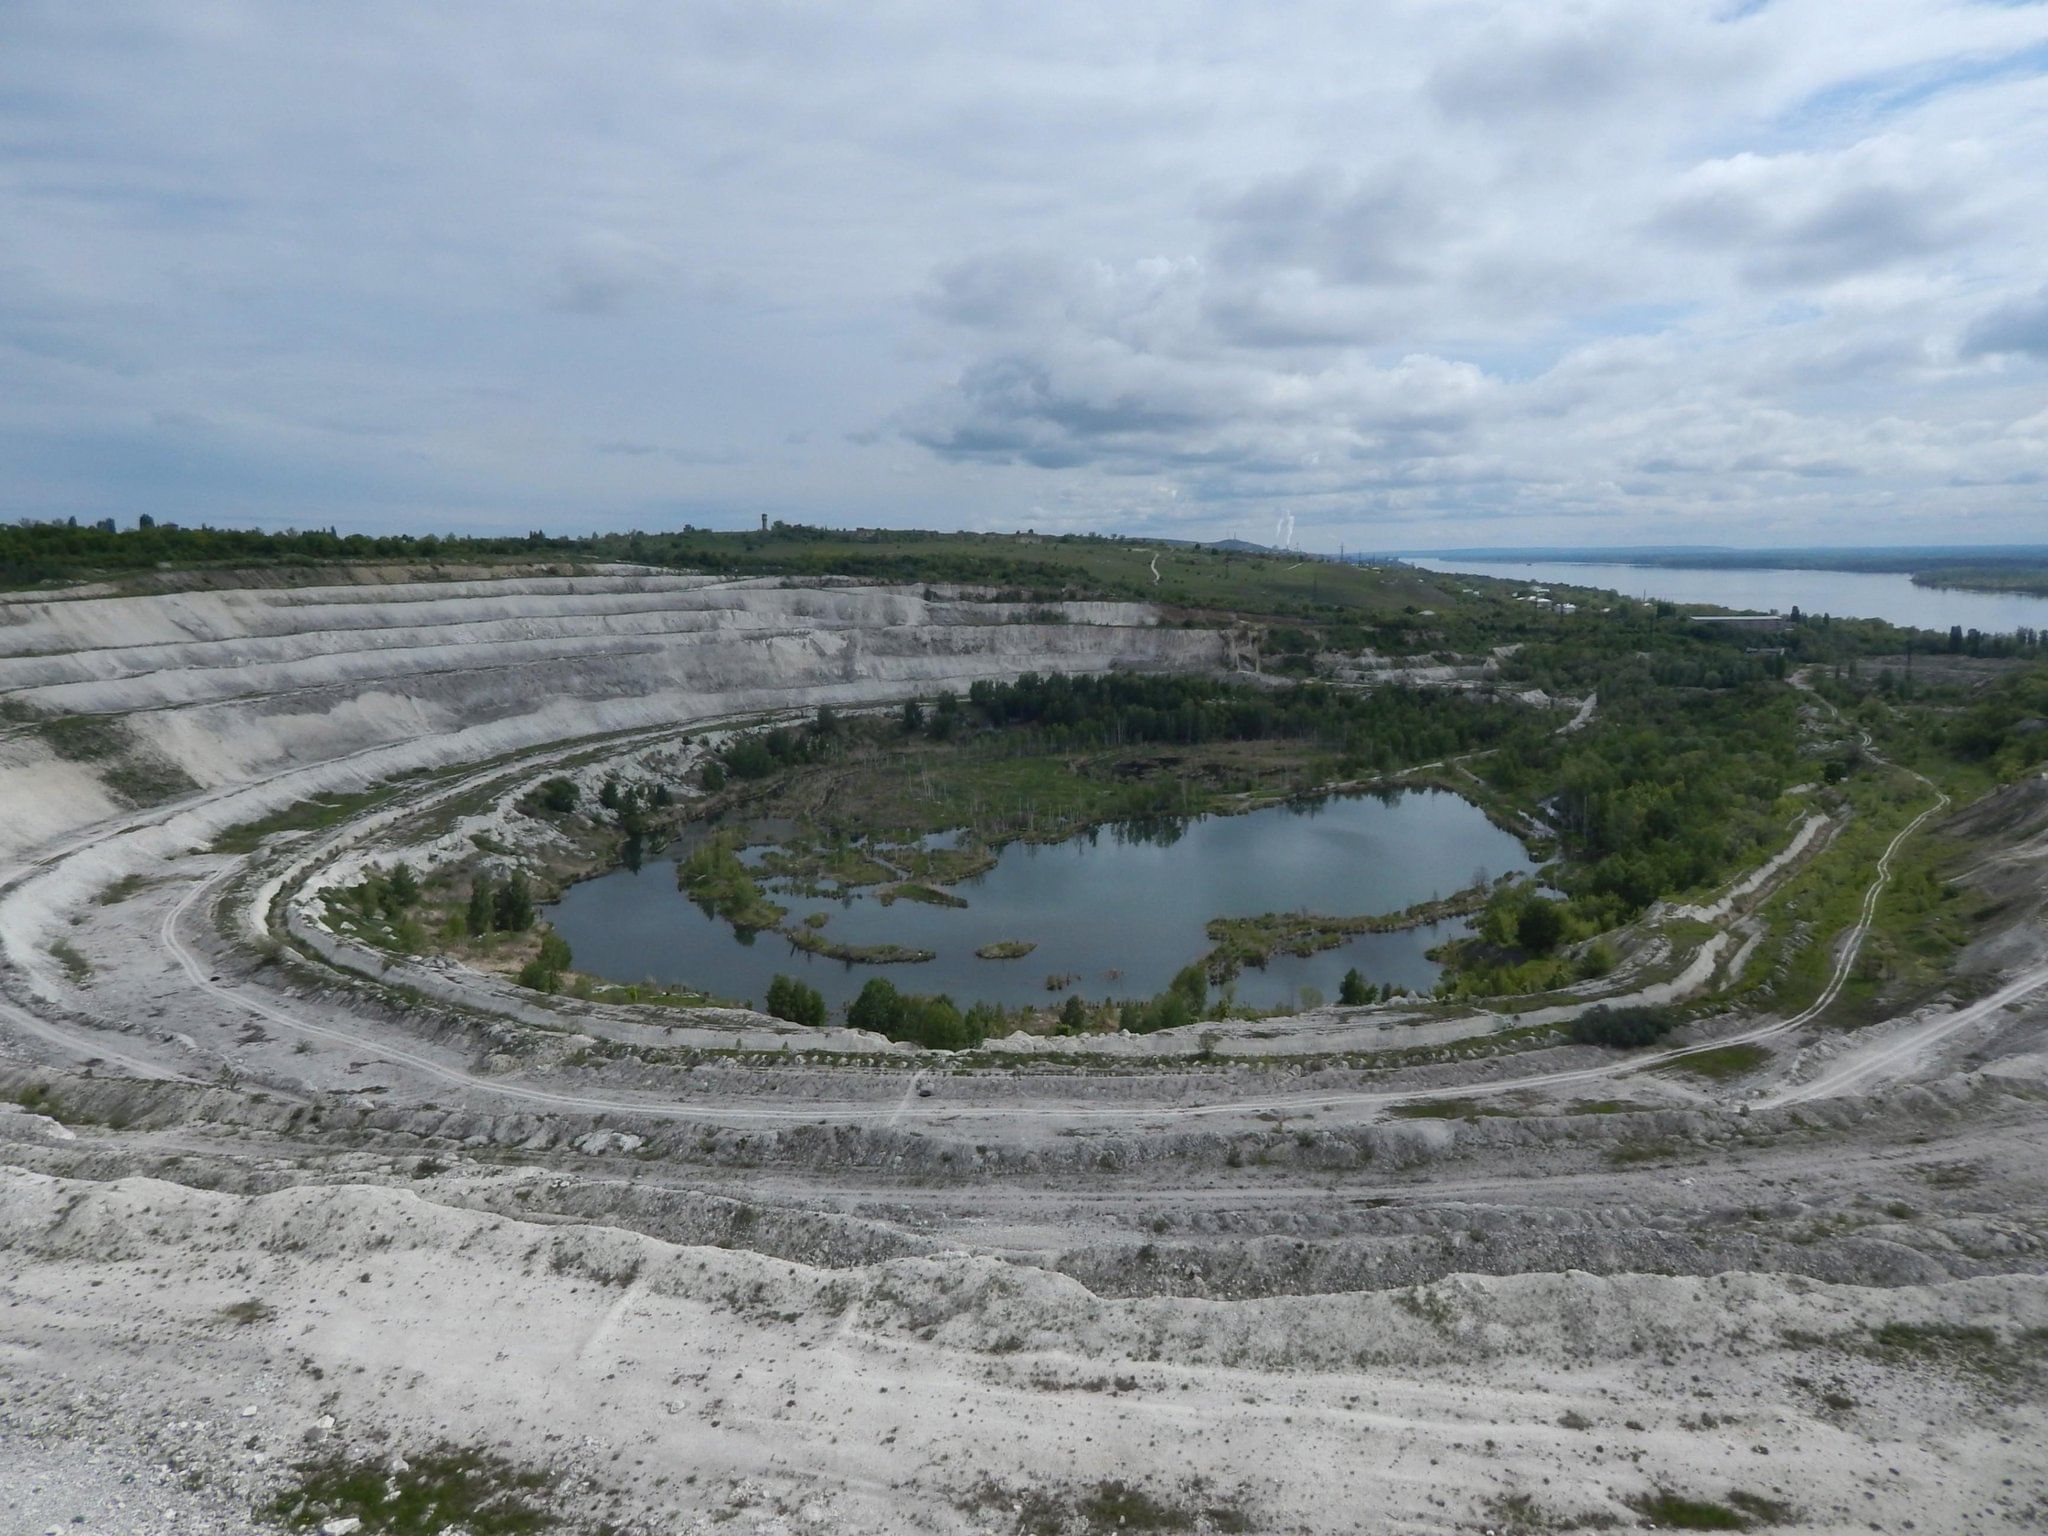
{"type": "Point", "coordinates": [2019, 570]}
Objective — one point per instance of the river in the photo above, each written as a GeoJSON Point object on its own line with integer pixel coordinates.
{"type": "Point", "coordinates": [1890, 596]}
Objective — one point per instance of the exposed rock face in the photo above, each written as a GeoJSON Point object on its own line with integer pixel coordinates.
{"type": "Point", "coordinates": [322, 687]}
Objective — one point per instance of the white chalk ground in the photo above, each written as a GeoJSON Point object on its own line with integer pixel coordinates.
{"type": "Point", "coordinates": [703, 1389]}
{"type": "Point", "coordinates": [677, 1388]}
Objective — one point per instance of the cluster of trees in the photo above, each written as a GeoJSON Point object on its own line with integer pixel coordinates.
{"type": "Point", "coordinates": [388, 893]}
{"type": "Point", "coordinates": [506, 908]}
{"type": "Point", "coordinates": [796, 1001]}
{"type": "Point", "coordinates": [1387, 727]}
{"type": "Point", "coordinates": [1667, 790]}
{"type": "Point", "coordinates": [934, 1022]}
{"type": "Point", "coordinates": [761, 753]}
{"type": "Point", "coordinates": [2007, 728]}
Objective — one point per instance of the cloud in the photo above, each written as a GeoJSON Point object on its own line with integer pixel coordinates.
{"type": "Point", "coordinates": [2017, 328]}
{"type": "Point", "coordinates": [1804, 218]}
{"type": "Point", "coordinates": [604, 274]}
{"type": "Point", "coordinates": [1508, 266]}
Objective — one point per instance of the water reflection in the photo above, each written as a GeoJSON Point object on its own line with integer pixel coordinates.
{"type": "Point", "coordinates": [1119, 908]}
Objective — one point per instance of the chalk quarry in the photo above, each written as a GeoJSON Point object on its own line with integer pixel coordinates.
{"type": "Point", "coordinates": [267, 1194]}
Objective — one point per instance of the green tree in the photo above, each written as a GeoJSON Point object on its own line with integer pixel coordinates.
{"type": "Point", "coordinates": [512, 908]}
{"type": "Point", "coordinates": [402, 886]}
{"type": "Point", "coordinates": [559, 796]}
{"type": "Point", "coordinates": [796, 1001]}
{"type": "Point", "coordinates": [1539, 925]}
{"type": "Point", "coordinates": [1353, 990]}
{"type": "Point", "coordinates": [878, 1007]}
{"type": "Point", "coordinates": [481, 905]}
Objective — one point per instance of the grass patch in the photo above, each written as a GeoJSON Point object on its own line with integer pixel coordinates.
{"type": "Point", "coordinates": [1102, 1509]}
{"type": "Point", "coordinates": [1679, 1513]}
{"type": "Point", "coordinates": [305, 816]}
{"type": "Point", "coordinates": [76, 966]}
{"type": "Point", "coordinates": [1006, 949]}
{"type": "Point", "coordinates": [84, 738]}
{"type": "Point", "coordinates": [811, 941]}
{"type": "Point", "coordinates": [1955, 1346]}
{"type": "Point", "coordinates": [1447, 1109]}
{"type": "Point", "coordinates": [124, 888]}
{"type": "Point", "coordinates": [444, 1489]}
{"type": "Point", "coordinates": [145, 781]}
{"type": "Point", "coordinates": [1721, 1064]}
{"type": "Point", "coordinates": [930, 895]}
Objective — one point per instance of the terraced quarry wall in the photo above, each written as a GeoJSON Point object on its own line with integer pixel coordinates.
{"type": "Point", "coordinates": [260, 697]}
{"type": "Point", "coordinates": [1413, 1267]}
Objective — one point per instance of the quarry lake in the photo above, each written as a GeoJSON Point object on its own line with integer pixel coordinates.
{"type": "Point", "coordinates": [1118, 909]}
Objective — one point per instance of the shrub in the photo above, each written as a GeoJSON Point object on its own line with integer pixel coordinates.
{"type": "Point", "coordinates": [559, 796]}
{"type": "Point", "coordinates": [1624, 1029]}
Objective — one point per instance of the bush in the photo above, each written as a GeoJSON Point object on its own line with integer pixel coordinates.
{"type": "Point", "coordinates": [1624, 1029]}
{"type": "Point", "coordinates": [535, 976]}
{"type": "Point", "coordinates": [712, 777]}
{"type": "Point", "coordinates": [559, 796]}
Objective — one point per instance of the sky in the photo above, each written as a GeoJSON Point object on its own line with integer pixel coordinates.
{"type": "Point", "coordinates": [1413, 275]}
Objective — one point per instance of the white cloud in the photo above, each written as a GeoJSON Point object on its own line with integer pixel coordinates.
{"type": "Point", "coordinates": [1488, 268]}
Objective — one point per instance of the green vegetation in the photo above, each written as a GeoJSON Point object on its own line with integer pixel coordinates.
{"type": "Point", "coordinates": [558, 796]}
{"type": "Point", "coordinates": [1626, 1029]}
{"type": "Point", "coordinates": [379, 909]}
{"type": "Point", "coordinates": [1677, 1512]}
{"type": "Point", "coordinates": [2031, 579]}
{"type": "Point", "coordinates": [543, 973]}
{"type": "Point", "coordinates": [933, 1022]}
{"type": "Point", "coordinates": [796, 1001]}
{"type": "Point", "coordinates": [930, 895]}
{"type": "Point", "coordinates": [84, 738]}
{"type": "Point", "coordinates": [812, 941]}
{"type": "Point", "coordinates": [122, 889]}
{"type": "Point", "coordinates": [1242, 941]}
{"type": "Point", "coordinates": [714, 877]}
{"type": "Point", "coordinates": [1722, 1063]}
{"type": "Point", "coordinates": [1006, 949]}
{"type": "Point", "coordinates": [1102, 1509]}
{"type": "Point", "coordinates": [445, 1488]}
{"type": "Point", "coordinates": [76, 966]}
